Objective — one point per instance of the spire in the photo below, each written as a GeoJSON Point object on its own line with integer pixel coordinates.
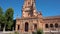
{"type": "Point", "coordinates": [40, 14]}
{"type": "Point", "coordinates": [28, 8]}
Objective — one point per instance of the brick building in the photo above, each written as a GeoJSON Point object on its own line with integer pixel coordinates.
{"type": "Point", "coordinates": [32, 20]}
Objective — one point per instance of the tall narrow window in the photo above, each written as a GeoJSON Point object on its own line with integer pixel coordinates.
{"type": "Point", "coordinates": [46, 25]}
{"type": "Point", "coordinates": [18, 27]}
{"type": "Point", "coordinates": [35, 26]}
{"type": "Point", "coordinates": [56, 25]}
{"type": "Point", "coordinates": [51, 25]}
{"type": "Point", "coordinates": [26, 26]}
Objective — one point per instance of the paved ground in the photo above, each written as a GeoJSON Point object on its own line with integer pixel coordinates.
{"type": "Point", "coordinates": [6, 32]}
{"type": "Point", "coordinates": [1, 33]}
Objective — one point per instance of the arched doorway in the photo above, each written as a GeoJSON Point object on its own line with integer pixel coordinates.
{"type": "Point", "coordinates": [35, 27]}
{"type": "Point", "coordinates": [26, 26]}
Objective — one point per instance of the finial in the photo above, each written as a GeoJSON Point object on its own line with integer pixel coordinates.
{"type": "Point", "coordinates": [40, 12]}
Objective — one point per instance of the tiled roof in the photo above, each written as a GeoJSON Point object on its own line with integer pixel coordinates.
{"type": "Point", "coordinates": [51, 17]}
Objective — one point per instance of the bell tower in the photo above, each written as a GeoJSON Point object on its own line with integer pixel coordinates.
{"type": "Point", "coordinates": [28, 9]}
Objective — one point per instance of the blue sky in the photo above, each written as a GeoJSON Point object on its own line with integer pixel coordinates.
{"type": "Point", "coordinates": [48, 7]}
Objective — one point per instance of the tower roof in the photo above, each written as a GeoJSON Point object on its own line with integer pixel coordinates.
{"type": "Point", "coordinates": [28, 8]}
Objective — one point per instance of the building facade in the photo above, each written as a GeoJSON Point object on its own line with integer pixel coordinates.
{"type": "Point", "coordinates": [32, 20]}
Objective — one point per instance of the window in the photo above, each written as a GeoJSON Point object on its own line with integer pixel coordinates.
{"type": "Point", "coordinates": [28, 2]}
{"type": "Point", "coordinates": [56, 25]}
{"type": "Point", "coordinates": [35, 26]}
{"type": "Point", "coordinates": [26, 26]}
{"type": "Point", "coordinates": [51, 25]}
{"type": "Point", "coordinates": [46, 25]}
{"type": "Point", "coordinates": [18, 27]}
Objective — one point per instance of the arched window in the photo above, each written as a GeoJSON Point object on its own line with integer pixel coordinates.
{"type": "Point", "coordinates": [35, 26]}
{"type": "Point", "coordinates": [56, 25]}
{"type": "Point", "coordinates": [51, 25]}
{"type": "Point", "coordinates": [26, 26]}
{"type": "Point", "coordinates": [18, 27]}
{"type": "Point", "coordinates": [46, 25]}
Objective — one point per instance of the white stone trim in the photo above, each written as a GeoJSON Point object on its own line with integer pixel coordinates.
{"type": "Point", "coordinates": [51, 31]}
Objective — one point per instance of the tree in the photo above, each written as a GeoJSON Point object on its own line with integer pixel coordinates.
{"type": "Point", "coordinates": [1, 17]}
{"type": "Point", "coordinates": [9, 17]}
{"type": "Point", "coordinates": [1, 11]}
{"type": "Point", "coordinates": [40, 31]}
{"type": "Point", "coordinates": [3, 21]}
{"type": "Point", "coordinates": [1, 14]}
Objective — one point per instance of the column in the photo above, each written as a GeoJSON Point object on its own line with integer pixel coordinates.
{"type": "Point", "coordinates": [16, 27]}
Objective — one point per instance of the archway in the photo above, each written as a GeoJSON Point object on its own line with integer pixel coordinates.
{"type": "Point", "coordinates": [26, 26]}
{"type": "Point", "coordinates": [35, 27]}
{"type": "Point", "coordinates": [56, 25]}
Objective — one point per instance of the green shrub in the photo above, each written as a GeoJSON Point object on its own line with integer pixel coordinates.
{"type": "Point", "coordinates": [40, 31]}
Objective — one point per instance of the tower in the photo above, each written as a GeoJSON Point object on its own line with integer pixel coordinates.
{"type": "Point", "coordinates": [28, 9]}
{"type": "Point", "coordinates": [26, 24]}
